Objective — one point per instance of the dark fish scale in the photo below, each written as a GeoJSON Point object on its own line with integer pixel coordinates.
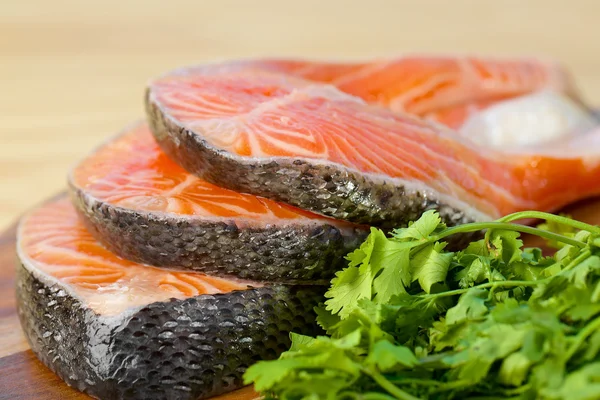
{"type": "Point", "coordinates": [165, 350]}
{"type": "Point", "coordinates": [329, 189]}
{"type": "Point", "coordinates": [293, 253]}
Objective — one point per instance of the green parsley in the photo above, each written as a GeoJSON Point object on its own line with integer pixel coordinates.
{"type": "Point", "coordinates": [408, 319]}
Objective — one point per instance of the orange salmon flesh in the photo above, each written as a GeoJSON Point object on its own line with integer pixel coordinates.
{"type": "Point", "coordinates": [371, 117]}
{"type": "Point", "coordinates": [131, 171]}
{"type": "Point", "coordinates": [54, 243]}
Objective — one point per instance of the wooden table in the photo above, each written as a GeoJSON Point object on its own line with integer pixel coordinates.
{"type": "Point", "coordinates": [73, 72]}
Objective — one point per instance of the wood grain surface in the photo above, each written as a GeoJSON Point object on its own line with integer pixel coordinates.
{"type": "Point", "coordinates": [73, 72]}
{"type": "Point", "coordinates": [22, 376]}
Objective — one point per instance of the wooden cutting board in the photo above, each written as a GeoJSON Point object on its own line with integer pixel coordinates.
{"type": "Point", "coordinates": [22, 376]}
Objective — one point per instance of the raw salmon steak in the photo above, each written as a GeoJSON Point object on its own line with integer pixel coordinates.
{"type": "Point", "coordinates": [146, 208]}
{"type": "Point", "coordinates": [116, 329]}
{"type": "Point", "coordinates": [372, 142]}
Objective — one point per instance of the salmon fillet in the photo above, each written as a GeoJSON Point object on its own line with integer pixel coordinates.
{"type": "Point", "coordinates": [350, 140]}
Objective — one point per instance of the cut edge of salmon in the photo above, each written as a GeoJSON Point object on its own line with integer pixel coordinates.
{"type": "Point", "coordinates": [288, 214]}
{"type": "Point", "coordinates": [483, 211]}
{"type": "Point", "coordinates": [101, 300]}
{"type": "Point", "coordinates": [452, 200]}
{"type": "Point", "coordinates": [478, 208]}
{"type": "Point", "coordinates": [478, 201]}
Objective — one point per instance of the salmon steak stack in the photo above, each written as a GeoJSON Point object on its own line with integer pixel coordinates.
{"type": "Point", "coordinates": [190, 244]}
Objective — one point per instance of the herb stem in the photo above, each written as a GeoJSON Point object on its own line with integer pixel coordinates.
{"type": "Point", "coordinates": [518, 390]}
{"type": "Point", "coordinates": [578, 260]}
{"type": "Point", "coordinates": [451, 386]}
{"type": "Point", "coordinates": [478, 226]}
{"type": "Point", "coordinates": [416, 381]}
{"type": "Point", "coordinates": [389, 386]}
{"type": "Point", "coordinates": [550, 217]}
{"type": "Point", "coordinates": [582, 335]}
{"type": "Point", "coordinates": [482, 286]}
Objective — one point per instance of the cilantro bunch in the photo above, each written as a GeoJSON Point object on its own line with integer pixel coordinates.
{"type": "Point", "coordinates": [408, 319]}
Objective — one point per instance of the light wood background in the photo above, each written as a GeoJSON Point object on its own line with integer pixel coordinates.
{"type": "Point", "coordinates": [73, 72]}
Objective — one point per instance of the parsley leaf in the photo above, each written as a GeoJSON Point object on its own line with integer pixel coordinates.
{"type": "Point", "coordinates": [421, 229]}
{"type": "Point", "coordinates": [430, 265]}
{"type": "Point", "coordinates": [387, 356]}
{"type": "Point", "coordinates": [409, 320]}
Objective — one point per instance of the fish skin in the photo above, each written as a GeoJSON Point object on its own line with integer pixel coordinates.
{"type": "Point", "coordinates": [326, 188]}
{"type": "Point", "coordinates": [180, 349]}
{"type": "Point", "coordinates": [295, 250]}
{"type": "Point", "coordinates": [293, 253]}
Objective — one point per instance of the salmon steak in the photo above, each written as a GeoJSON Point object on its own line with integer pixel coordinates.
{"type": "Point", "coordinates": [116, 329]}
{"type": "Point", "coordinates": [146, 208]}
{"type": "Point", "coordinates": [381, 142]}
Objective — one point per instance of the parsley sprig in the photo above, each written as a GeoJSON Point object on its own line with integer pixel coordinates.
{"type": "Point", "coordinates": [408, 319]}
